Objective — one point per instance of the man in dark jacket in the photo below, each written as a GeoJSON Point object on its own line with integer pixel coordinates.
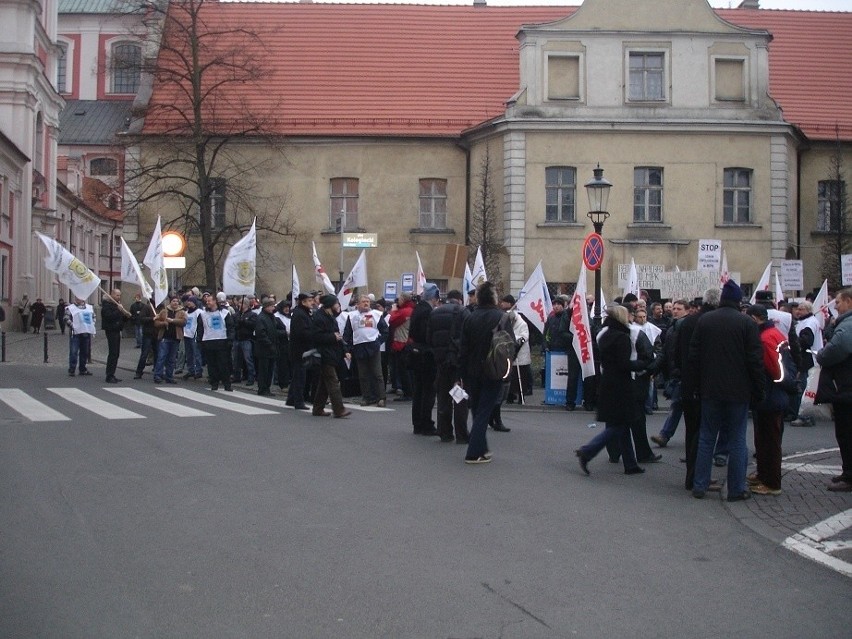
{"type": "Point", "coordinates": [726, 356]}
{"type": "Point", "coordinates": [113, 316]}
{"type": "Point", "coordinates": [266, 345]}
{"type": "Point", "coordinates": [559, 338]}
{"type": "Point", "coordinates": [329, 342]}
{"type": "Point", "coordinates": [135, 311]}
{"type": "Point", "coordinates": [149, 337]}
{"type": "Point", "coordinates": [836, 358]}
{"type": "Point", "coordinates": [423, 364]}
{"type": "Point", "coordinates": [484, 393]}
{"type": "Point", "coordinates": [300, 341]}
{"type": "Point", "coordinates": [444, 337]}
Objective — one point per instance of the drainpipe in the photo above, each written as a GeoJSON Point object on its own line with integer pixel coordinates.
{"type": "Point", "coordinates": [111, 252]}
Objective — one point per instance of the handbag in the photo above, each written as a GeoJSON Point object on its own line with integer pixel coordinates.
{"type": "Point", "coordinates": [312, 359]}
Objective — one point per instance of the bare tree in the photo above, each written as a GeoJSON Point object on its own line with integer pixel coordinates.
{"type": "Point", "coordinates": [200, 155]}
{"type": "Point", "coordinates": [485, 225]}
{"type": "Point", "coordinates": [832, 218]}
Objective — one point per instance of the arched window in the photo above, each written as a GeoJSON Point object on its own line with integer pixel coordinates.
{"type": "Point", "coordinates": [125, 67]}
{"type": "Point", "coordinates": [103, 167]}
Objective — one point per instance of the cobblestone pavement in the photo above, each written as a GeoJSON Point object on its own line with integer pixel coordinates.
{"type": "Point", "coordinates": [806, 518]}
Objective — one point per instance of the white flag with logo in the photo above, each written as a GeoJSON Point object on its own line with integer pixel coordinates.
{"type": "Point", "coordinates": [240, 270]}
{"type": "Point", "coordinates": [322, 276]}
{"type": "Point", "coordinates": [534, 301]}
{"type": "Point", "coordinates": [296, 288]}
{"type": "Point", "coordinates": [357, 277]}
{"type": "Point", "coordinates": [156, 265]}
{"type": "Point", "coordinates": [478, 275]}
{"type": "Point", "coordinates": [763, 284]}
{"type": "Point", "coordinates": [70, 271]}
{"type": "Point", "coordinates": [467, 282]}
{"type": "Point", "coordinates": [131, 272]}
{"type": "Point", "coordinates": [420, 278]}
{"type": "Point", "coordinates": [580, 326]}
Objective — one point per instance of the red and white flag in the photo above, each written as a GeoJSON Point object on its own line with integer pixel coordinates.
{"type": "Point", "coordinates": [763, 284]}
{"type": "Point", "coordinates": [420, 278]}
{"type": "Point", "coordinates": [357, 277]}
{"type": "Point", "coordinates": [534, 301]}
{"type": "Point", "coordinates": [823, 309]}
{"type": "Point", "coordinates": [322, 276]}
{"type": "Point", "coordinates": [580, 326]}
{"type": "Point", "coordinates": [724, 273]}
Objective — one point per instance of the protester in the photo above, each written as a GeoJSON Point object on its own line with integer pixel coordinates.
{"type": "Point", "coordinates": [193, 363]}
{"type": "Point", "coordinates": [444, 337]}
{"type": "Point", "coordinates": [366, 330]}
{"type": "Point", "coordinates": [559, 338]}
{"type": "Point", "coordinates": [60, 314]}
{"type": "Point", "coordinates": [37, 310]}
{"type": "Point", "coordinates": [329, 342]}
{"type": "Point", "coordinates": [81, 319]}
{"type": "Point", "coordinates": [24, 312]}
{"type": "Point", "coordinates": [135, 313]}
{"type": "Point", "coordinates": [113, 316]}
{"type": "Point", "coordinates": [400, 323]}
{"type": "Point", "coordinates": [149, 338]}
{"type": "Point", "coordinates": [282, 363]}
{"type": "Point", "coordinates": [266, 342]}
{"type": "Point", "coordinates": [301, 340]}
{"type": "Point", "coordinates": [810, 341]}
{"type": "Point", "coordinates": [422, 363]}
{"type": "Point", "coordinates": [216, 334]}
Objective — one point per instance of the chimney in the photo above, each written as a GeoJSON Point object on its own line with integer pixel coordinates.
{"type": "Point", "coordinates": [480, 3]}
{"type": "Point", "coordinates": [749, 4]}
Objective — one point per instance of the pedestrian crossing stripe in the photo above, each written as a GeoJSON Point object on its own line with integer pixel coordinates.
{"type": "Point", "coordinates": [172, 408]}
{"type": "Point", "coordinates": [29, 407]}
{"type": "Point", "coordinates": [95, 404]}
{"type": "Point", "coordinates": [212, 399]}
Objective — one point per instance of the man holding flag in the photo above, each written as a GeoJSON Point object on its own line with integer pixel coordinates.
{"type": "Point", "coordinates": [113, 316]}
{"type": "Point", "coordinates": [81, 319]}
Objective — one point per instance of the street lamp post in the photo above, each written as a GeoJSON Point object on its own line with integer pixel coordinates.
{"type": "Point", "coordinates": [598, 191]}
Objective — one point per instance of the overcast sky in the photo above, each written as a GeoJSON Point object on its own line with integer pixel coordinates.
{"type": "Point", "coordinates": [814, 5]}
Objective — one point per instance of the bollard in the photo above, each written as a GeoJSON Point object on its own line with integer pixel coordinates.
{"type": "Point", "coordinates": [45, 348]}
{"type": "Point", "coordinates": [3, 346]}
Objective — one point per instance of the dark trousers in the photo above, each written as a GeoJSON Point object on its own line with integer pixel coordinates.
{"type": "Point", "coordinates": [296, 392]}
{"type": "Point", "coordinates": [574, 372]}
{"type": "Point", "coordinates": [265, 366]}
{"type": "Point", "coordinates": [148, 343]}
{"type": "Point", "coordinates": [484, 396]}
{"type": "Point", "coordinates": [768, 430]}
{"type": "Point", "coordinates": [449, 412]}
{"type": "Point", "coordinates": [282, 368]}
{"type": "Point", "coordinates": [638, 425]}
{"type": "Point", "coordinates": [370, 377]}
{"type": "Point", "coordinates": [328, 387]}
{"type": "Point", "coordinates": [617, 434]}
{"type": "Point", "coordinates": [218, 358]}
{"type": "Point", "coordinates": [843, 434]}
{"type": "Point", "coordinates": [423, 399]}
{"type": "Point", "coordinates": [692, 426]}
{"type": "Point", "coordinates": [113, 351]}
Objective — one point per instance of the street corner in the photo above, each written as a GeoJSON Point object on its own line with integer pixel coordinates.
{"type": "Point", "coordinates": [806, 517]}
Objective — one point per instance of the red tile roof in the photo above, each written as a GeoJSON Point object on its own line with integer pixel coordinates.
{"type": "Point", "coordinates": [428, 70]}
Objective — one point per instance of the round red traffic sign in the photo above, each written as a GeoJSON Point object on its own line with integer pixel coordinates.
{"type": "Point", "coordinates": [593, 251]}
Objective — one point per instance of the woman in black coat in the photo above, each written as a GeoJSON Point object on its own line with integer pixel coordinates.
{"type": "Point", "coordinates": [614, 346]}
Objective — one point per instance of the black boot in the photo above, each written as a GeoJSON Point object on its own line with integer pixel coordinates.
{"type": "Point", "coordinates": [497, 421]}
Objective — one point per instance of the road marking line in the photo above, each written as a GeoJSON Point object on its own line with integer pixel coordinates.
{"type": "Point", "coordinates": [817, 469]}
{"type": "Point", "coordinates": [812, 452]}
{"type": "Point", "coordinates": [809, 542]}
{"type": "Point", "coordinates": [30, 408]}
{"type": "Point", "coordinates": [94, 404]}
{"type": "Point", "coordinates": [172, 408]}
{"type": "Point", "coordinates": [211, 399]}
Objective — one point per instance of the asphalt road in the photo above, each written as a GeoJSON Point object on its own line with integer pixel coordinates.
{"type": "Point", "coordinates": [280, 524]}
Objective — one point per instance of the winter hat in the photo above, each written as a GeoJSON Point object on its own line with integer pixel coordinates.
{"type": "Point", "coordinates": [430, 291]}
{"type": "Point", "coordinates": [618, 313]}
{"type": "Point", "coordinates": [731, 292]}
{"type": "Point", "coordinates": [509, 299]}
{"type": "Point", "coordinates": [221, 297]}
{"type": "Point", "coordinates": [268, 301]}
{"type": "Point", "coordinates": [328, 301]}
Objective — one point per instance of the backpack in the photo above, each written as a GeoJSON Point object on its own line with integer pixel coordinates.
{"type": "Point", "coordinates": [501, 352]}
{"type": "Point", "coordinates": [788, 381]}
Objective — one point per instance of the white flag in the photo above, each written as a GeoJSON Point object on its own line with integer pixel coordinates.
{"type": "Point", "coordinates": [296, 288]}
{"type": "Point", "coordinates": [534, 299]}
{"type": "Point", "coordinates": [763, 284]}
{"type": "Point", "coordinates": [131, 272]}
{"type": "Point", "coordinates": [580, 326]}
{"type": "Point", "coordinates": [70, 271]}
{"type": "Point", "coordinates": [322, 276]}
{"type": "Point", "coordinates": [240, 270]}
{"type": "Point", "coordinates": [420, 278]}
{"type": "Point", "coordinates": [724, 273]}
{"type": "Point", "coordinates": [779, 293]}
{"type": "Point", "coordinates": [357, 277]}
{"type": "Point", "coordinates": [823, 309]}
{"type": "Point", "coordinates": [154, 261]}
{"type": "Point", "coordinates": [632, 283]}
{"type": "Point", "coordinates": [478, 275]}
{"type": "Point", "coordinates": [467, 282]}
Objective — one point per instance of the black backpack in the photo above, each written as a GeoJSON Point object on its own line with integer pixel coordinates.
{"type": "Point", "coordinates": [502, 351]}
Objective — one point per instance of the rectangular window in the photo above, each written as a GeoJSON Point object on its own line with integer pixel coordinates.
{"type": "Point", "coordinates": [560, 193]}
{"type": "Point", "coordinates": [830, 195]}
{"type": "Point", "coordinates": [103, 245]}
{"type": "Point", "coordinates": [62, 69]}
{"type": "Point", "coordinates": [5, 204]}
{"type": "Point", "coordinates": [433, 204]}
{"type": "Point", "coordinates": [737, 196]}
{"type": "Point", "coordinates": [343, 211]}
{"type": "Point", "coordinates": [100, 167]}
{"type": "Point", "coordinates": [4, 277]}
{"type": "Point", "coordinates": [563, 78]}
{"type": "Point", "coordinates": [218, 202]}
{"type": "Point", "coordinates": [729, 80]}
{"type": "Point", "coordinates": [647, 194]}
{"type": "Point", "coordinates": [647, 76]}
{"type": "Point", "coordinates": [126, 67]}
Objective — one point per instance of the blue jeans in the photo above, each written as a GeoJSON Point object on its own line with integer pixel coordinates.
{"type": "Point", "coordinates": [244, 352]}
{"type": "Point", "coordinates": [166, 359]}
{"type": "Point", "coordinates": [731, 419]}
{"type": "Point", "coordinates": [193, 356]}
{"type": "Point", "coordinates": [673, 419]}
{"type": "Point", "coordinates": [79, 348]}
{"type": "Point", "coordinates": [484, 396]}
{"type": "Point", "coordinates": [139, 336]}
